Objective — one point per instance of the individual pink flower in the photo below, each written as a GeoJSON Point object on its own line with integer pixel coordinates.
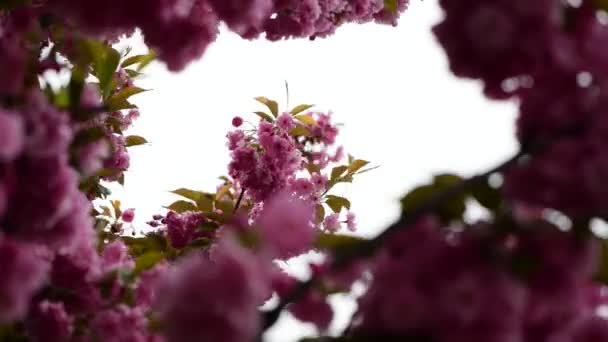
{"type": "Point", "coordinates": [128, 215]}
{"type": "Point", "coordinates": [324, 130]}
{"type": "Point", "coordinates": [120, 323]}
{"type": "Point", "coordinates": [285, 225]}
{"type": "Point", "coordinates": [285, 122]}
{"type": "Point", "coordinates": [237, 121]}
{"type": "Point", "coordinates": [24, 270]}
{"type": "Point", "coordinates": [145, 292]}
{"type": "Point", "coordinates": [331, 223]}
{"type": "Point", "coordinates": [265, 128]}
{"type": "Point", "coordinates": [303, 187]}
{"type": "Point", "coordinates": [49, 321]}
{"type": "Point", "coordinates": [116, 257]}
{"type": "Point", "coordinates": [48, 130]}
{"type": "Point", "coordinates": [213, 298]}
{"type": "Point", "coordinates": [319, 181]}
{"type": "Point", "coordinates": [77, 271]}
{"type": "Point", "coordinates": [182, 228]}
{"type": "Point", "coordinates": [350, 221]}
{"type": "Point", "coordinates": [235, 139]}
{"type": "Point", "coordinates": [91, 156]}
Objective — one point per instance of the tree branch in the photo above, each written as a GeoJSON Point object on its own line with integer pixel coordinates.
{"type": "Point", "coordinates": [368, 248]}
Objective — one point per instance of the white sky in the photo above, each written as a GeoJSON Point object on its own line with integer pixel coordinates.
{"type": "Point", "coordinates": [390, 87]}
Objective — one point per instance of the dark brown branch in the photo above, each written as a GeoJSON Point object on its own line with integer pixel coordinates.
{"type": "Point", "coordinates": [238, 202]}
{"type": "Point", "coordinates": [370, 247]}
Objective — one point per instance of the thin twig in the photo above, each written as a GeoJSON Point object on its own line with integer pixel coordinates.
{"type": "Point", "coordinates": [287, 93]}
{"type": "Point", "coordinates": [238, 202]}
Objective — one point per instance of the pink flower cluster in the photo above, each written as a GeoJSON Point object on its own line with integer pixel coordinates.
{"type": "Point", "coordinates": [263, 165]}
{"type": "Point", "coordinates": [46, 211]}
{"type": "Point", "coordinates": [271, 161]}
{"type": "Point", "coordinates": [91, 286]}
{"type": "Point", "coordinates": [320, 18]}
{"type": "Point", "coordinates": [504, 43]}
{"type": "Point", "coordinates": [53, 275]}
{"type": "Point", "coordinates": [109, 151]}
{"type": "Point", "coordinates": [475, 286]}
{"type": "Point", "coordinates": [181, 31]}
{"type": "Point", "coordinates": [226, 284]}
{"type": "Point", "coordinates": [550, 54]}
{"type": "Point", "coordinates": [181, 229]}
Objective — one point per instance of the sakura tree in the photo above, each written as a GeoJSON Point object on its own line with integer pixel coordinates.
{"type": "Point", "coordinates": [206, 265]}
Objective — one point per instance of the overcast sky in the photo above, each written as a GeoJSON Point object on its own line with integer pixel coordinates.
{"type": "Point", "coordinates": [391, 88]}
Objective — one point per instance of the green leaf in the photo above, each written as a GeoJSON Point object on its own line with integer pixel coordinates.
{"type": "Point", "coordinates": [367, 170]}
{"type": "Point", "coordinates": [205, 203]}
{"type": "Point", "coordinates": [120, 105]}
{"type": "Point", "coordinates": [87, 136]}
{"type": "Point", "coordinates": [147, 260]}
{"type": "Point", "coordinates": [602, 271]}
{"type": "Point", "coordinates": [182, 206]}
{"type": "Point", "coordinates": [416, 197]}
{"type": "Point", "coordinates": [319, 213]}
{"type": "Point", "coordinates": [306, 119]}
{"type": "Point", "coordinates": [449, 210]}
{"type": "Point", "coordinates": [446, 180]}
{"type": "Point", "coordinates": [226, 206]}
{"type": "Point", "coordinates": [391, 6]}
{"type": "Point", "coordinates": [337, 242]}
{"type": "Point", "coordinates": [135, 60]}
{"type": "Point", "coordinates": [105, 61]}
{"type": "Point", "coordinates": [119, 101]}
{"type": "Point", "coordinates": [356, 165]}
{"type": "Point", "coordinates": [313, 168]}
{"type": "Point", "coordinates": [189, 194]}
{"type": "Point", "coordinates": [265, 116]}
{"type": "Point", "coordinates": [336, 203]}
{"type": "Point", "coordinates": [121, 179]}
{"type": "Point", "coordinates": [223, 191]}
{"type": "Point", "coordinates": [135, 140]}
{"type": "Point", "coordinates": [338, 171]}
{"type": "Point", "coordinates": [151, 56]}
{"type": "Point", "coordinates": [300, 130]}
{"type": "Point", "coordinates": [150, 243]}
{"type": "Point", "coordinates": [301, 108]}
{"type": "Point", "coordinates": [133, 73]}
{"type": "Point", "coordinates": [195, 245]}
{"type": "Point", "coordinates": [74, 93]}
{"type": "Point", "coordinates": [115, 124]}
{"type": "Point", "coordinates": [486, 195]}
{"type": "Point", "coordinates": [272, 105]}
